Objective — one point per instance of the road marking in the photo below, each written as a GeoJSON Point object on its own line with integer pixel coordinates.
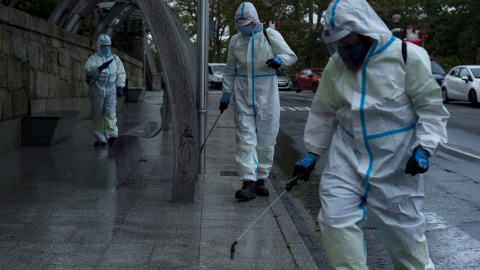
{"type": "Point", "coordinates": [461, 152]}
{"type": "Point", "coordinates": [294, 109]}
{"type": "Point", "coordinates": [294, 97]}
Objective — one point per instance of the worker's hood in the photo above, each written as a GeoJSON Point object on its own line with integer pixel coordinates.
{"type": "Point", "coordinates": [248, 11]}
{"type": "Point", "coordinates": [354, 16]}
{"type": "Point", "coordinates": [345, 16]}
{"type": "Point", "coordinates": [103, 40]}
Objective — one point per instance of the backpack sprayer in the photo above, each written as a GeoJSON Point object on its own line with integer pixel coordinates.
{"type": "Point", "coordinates": [417, 37]}
{"type": "Point", "coordinates": [290, 183]}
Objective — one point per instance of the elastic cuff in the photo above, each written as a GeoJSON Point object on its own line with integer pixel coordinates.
{"type": "Point", "coordinates": [311, 156]}
{"type": "Point", "coordinates": [423, 151]}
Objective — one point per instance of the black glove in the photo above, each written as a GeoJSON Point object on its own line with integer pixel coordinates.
{"type": "Point", "coordinates": [305, 166]}
{"type": "Point", "coordinates": [104, 66]}
{"type": "Point", "coordinates": [418, 162]}
{"type": "Point", "coordinates": [119, 92]}
{"type": "Point", "coordinates": [275, 62]}
{"type": "Point", "coordinates": [224, 101]}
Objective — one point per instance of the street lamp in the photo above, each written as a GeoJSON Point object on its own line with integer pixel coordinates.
{"type": "Point", "coordinates": [396, 18]}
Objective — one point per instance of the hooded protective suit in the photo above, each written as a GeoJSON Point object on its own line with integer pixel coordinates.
{"type": "Point", "coordinates": [255, 93]}
{"type": "Point", "coordinates": [366, 121]}
{"type": "Point", "coordinates": [103, 90]}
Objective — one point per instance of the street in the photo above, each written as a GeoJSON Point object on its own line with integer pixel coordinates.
{"type": "Point", "coordinates": [452, 188]}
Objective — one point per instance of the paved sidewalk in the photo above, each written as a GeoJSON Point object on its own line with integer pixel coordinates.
{"type": "Point", "coordinates": [62, 208]}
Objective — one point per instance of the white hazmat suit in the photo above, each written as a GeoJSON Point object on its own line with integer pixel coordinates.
{"type": "Point", "coordinates": [103, 90]}
{"type": "Point", "coordinates": [255, 94]}
{"type": "Point", "coordinates": [366, 121]}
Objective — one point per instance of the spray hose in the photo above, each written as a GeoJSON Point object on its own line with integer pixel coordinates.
{"type": "Point", "coordinates": [201, 148]}
{"type": "Point", "coordinates": [296, 180]}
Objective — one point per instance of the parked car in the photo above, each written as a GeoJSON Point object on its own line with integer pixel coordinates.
{"type": "Point", "coordinates": [284, 81]}
{"type": "Point", "coordinates": [308, 78]}
{"type": "Point", "coordinates": [462, 83]}
{"type": "Point", "coordinates": [438, 72]}
{"type": "Point", "coordinates": [215, 74]}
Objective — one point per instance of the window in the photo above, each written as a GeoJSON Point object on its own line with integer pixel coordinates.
{"type": "Point", "coordinates": [218, 68]}
{"type": "Point", "coordinates": [281, 72]}
{"type": "Point", "coordinates": [455, 72]}
{"type": "Point", "coordinates": [476, 72]}
{"type": "Point", "coordinates": [437, 69]}
{"type": "Point", "coordinates": [318, 72]}
{"type": "Point", "coordinates": [464, 72]}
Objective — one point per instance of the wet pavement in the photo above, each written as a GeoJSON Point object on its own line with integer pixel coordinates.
{"type": "Point", "coordinates": [61, 207]}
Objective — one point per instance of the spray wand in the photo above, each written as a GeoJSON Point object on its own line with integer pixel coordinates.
{"type": "Point", "coordinates": [107, 64]}
{"type": "Point", "coordinates": [290, 183]}
{"type": "Point", "coordinates": [201, 148]}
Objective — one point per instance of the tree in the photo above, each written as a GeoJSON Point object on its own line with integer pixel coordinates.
{"type": "Point", "coordinates": [451, 25]}
{"type": "Point", "coordinates": [38, 8]}
{"type": "Point", "coordinates": [455, 30]}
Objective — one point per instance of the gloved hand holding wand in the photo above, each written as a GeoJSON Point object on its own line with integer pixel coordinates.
{"type": "Point", "coordinates": [304, 167]}
{"type": "Point", "coordinates": [224, 101]}
{"type": "Point", "coordinates": [104, 65]}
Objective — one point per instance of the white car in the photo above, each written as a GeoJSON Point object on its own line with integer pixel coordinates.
{"type": "Point", "coordinates": [284, 81]}
{"type": "Point", "coordinates": [462, 83]}
{"type": "Point", "coordinates": [215, 75]}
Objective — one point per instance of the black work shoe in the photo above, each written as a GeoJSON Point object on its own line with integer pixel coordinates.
{"type": "Point", "coordinates": [247, 192]}
{"type": "Point", "coordinates": [111, 141]}
{"type": "Point", "coordinates": [260, 188]}
{"type": "Point", "coordinates": [99, 144]}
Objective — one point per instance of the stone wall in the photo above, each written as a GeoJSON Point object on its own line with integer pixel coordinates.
{"type": "Point", "coordinates": [41, 68]}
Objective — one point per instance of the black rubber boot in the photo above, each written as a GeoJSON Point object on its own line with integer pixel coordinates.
{"type": "Point", "coordinates": [111, 141]}
{"type": "Point", "coordinates": [99, 144]}
{"type": "Point", "coordinates": [247, 192]}
{"type": "Point", "coordinates": [260, 188]}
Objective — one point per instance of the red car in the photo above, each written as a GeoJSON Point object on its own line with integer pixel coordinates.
{"type": "Point", "coordinates": [308, 78]}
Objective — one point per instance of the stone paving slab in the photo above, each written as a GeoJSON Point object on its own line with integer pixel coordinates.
{"type": "Point", "coordinates": [61, 207]}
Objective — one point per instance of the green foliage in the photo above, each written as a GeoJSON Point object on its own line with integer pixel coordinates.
{"type": "Point", "coordinates": [38, 8]}
{"type": "Point", "coordinates": [300, 35]}
{"type": "Point", "coordinates": [452, 26]}
{"type": "Point", "coordinates": [453, 31]}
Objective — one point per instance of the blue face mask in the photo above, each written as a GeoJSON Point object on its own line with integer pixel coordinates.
{"type": "Point", "coordinates": [247, 30]}
{"type": "Point", "coordinates": [105, 50]}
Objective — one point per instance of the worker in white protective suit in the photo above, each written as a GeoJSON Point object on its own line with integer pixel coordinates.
{"type": "Point", "coordinates": [250, 77]}
{"type": "Point", "coordinates": [106, 80]}
{"type": "Point", "coordinates": [363, 115]}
